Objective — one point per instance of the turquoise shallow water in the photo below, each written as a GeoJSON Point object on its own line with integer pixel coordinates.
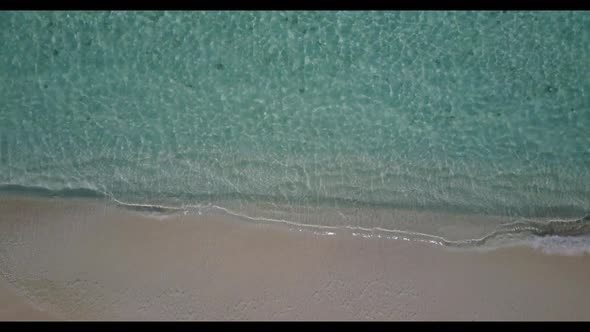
{"type": "Point", "coordinates": [485, 113]}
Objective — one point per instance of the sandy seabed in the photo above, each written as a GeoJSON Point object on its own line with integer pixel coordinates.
{"type": "Point", "coordinates": [89, 260]}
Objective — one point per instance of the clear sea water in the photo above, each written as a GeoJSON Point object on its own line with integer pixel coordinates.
{"type": "Point", "coordinates": [466, 113]}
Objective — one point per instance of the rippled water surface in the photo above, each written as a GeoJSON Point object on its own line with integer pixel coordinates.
{"type": "Point", "coordinates": [283, 113]}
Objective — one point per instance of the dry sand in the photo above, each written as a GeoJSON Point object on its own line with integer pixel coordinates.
{"type": "Point", "coordinates": [81, 260]}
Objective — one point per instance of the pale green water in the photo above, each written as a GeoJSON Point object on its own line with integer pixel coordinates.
{"type": "Point", "coordinates": [479, 112]}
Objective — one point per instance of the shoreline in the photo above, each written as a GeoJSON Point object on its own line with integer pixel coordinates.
{"type": "Point", "coordinates": [450, 229]}
{"type": "Point", "coordinates": [85, 260]}
{"type": "Point", "coordinates": [557, 235]}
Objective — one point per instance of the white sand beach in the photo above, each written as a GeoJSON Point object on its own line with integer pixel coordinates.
{"type": "Point", "coordinates": [85, 260]}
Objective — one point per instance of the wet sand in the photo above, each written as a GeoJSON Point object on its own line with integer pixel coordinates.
{"type": "Point", "coordinates": [16, 308]}
{"type": "Point", "coordinates": [85, 260]}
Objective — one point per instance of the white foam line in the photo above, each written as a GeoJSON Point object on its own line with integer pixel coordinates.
{"type": "Point", "coordinates": [287, 222]}
{"type": "Point", "coordinates": [415, 235]}
{"type": "Point", "coordinates": [394, 234]}
{"type": "Point", "coordinates": [441, 241]}
{"type": "Point", "coordinates": [163, 207]}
